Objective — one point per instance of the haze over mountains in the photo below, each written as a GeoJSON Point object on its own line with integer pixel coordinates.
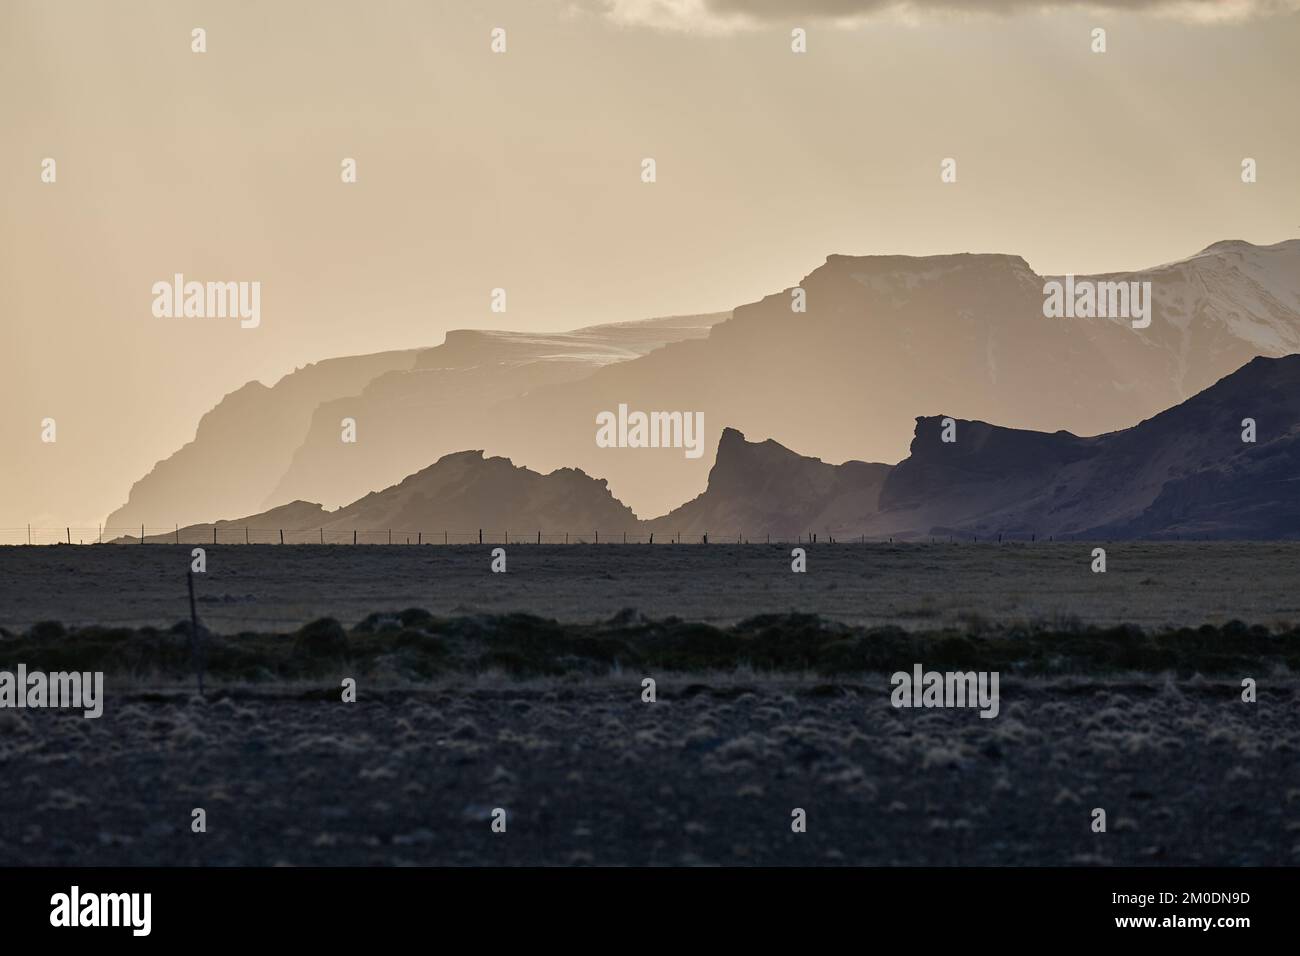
{"type": "Point", "coordinates": [763, 488]}
{"type": "Point", "coordinates": [1183, 473]}
{"type": "Point", "coordinates": [255, 449]}
{"type": "Point", "coordinates": [885, 339]}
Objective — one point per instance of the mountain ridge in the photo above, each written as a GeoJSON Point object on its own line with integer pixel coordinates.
{"type": "Point", "coordinates": [1183, 472]}
{"type": "Point", "coordinates": [883, 337]}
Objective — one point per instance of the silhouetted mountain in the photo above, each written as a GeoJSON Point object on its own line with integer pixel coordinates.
{"type": "Point", "coordinates": [1183, 473]}
{"type": "Point", "coordinates": [886, 336]}
{"type": "Point", "coordinates": [245, 443]}
{"type": "Point", "coordinates": [465, 491]}
{"type": "Point", "coordinates": [255, 448]}
{"type": "Point", "coordinates": [883, 337]}
{"type": "Point", "coordinates": [761, 488]}
{"type": "Point", "coordinates": [460, 494]}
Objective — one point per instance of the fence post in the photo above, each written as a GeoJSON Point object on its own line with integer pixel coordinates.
{"type": "Point", "coordinates": [390, 535]}
{"type": "Point", "coordinates": [29, 534]}
{"type": "Point", "coordinates": [598, 537]}
{"type": "Point", "coordinates": [142, 534]}
{"type": "Point", "coordinates": [245, 534]}
{"type": "Point", "coordinates": [282, 536]}
{"type": "Point", "coordinates": [322, 535]}
{"type": "Point", "coordinates": [354, 535]}
{"type": "Point", "coordinates": [444, 537]}
{"type": "Point", "coordinates": [480, 535]}
{"type": "Point", "coordinates": [194, 633]}
{"type": "Point", "coordinates": [419, 537]}
{"type": "Point", "coordinates": [69, 530]}
{"type": "Point", "coordinates": [539, 537]}
{"type": "Point", "coordinates": [214, 534]}
{"type": "Point", "coordinates": [652, 537]}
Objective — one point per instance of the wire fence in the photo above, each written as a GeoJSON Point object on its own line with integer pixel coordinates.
{"type": "Point", "coordinates": [240, 534]}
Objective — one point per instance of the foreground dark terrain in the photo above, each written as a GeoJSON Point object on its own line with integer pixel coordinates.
{"type": "Point", "coordinates": [709, 773]}
{"type": "Point", "coordinates": [1120, 691]}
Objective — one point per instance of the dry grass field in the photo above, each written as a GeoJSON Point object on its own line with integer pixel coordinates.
{"type": "Point", "coordinates": [272, 587]}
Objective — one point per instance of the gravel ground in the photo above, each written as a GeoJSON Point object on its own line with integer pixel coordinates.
{"type": "Point", "coordinates": [709, 773]}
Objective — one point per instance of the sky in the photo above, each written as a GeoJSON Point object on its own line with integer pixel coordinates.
{"type": "Point", "coordinates": [522, 170]}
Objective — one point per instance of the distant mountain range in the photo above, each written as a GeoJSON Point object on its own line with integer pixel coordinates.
{"type": "Point", "coordinates": [260, 446]}
{"type": "Point", "coordinates": [884, 339]}
{"type": "Point", "coordinates": [1186, 472]}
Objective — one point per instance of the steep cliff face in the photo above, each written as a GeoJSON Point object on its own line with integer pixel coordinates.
{"type": "Point", "coordinates": [1184, 472]}
{"type": "Point", "coordinates": [263, 446]}
{"type": "Point", "coordinates": [757, 489]}
{"type": "Point", "coordinates": [244, 444]}
{"type": "Point", "coordinates": [884, 339]}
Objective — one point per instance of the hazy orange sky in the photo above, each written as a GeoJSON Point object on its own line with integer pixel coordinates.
{"type": "Point", "coordinates": [522, 170]}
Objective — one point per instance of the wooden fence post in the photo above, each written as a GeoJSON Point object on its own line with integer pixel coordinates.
{"type": "Point", "coordinates": [194, 634]}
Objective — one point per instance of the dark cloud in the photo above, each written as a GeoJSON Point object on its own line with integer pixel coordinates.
{"type": "Point", "coordinates": [784, 9]}
{"type": "Point", "coordinates": [693, 13]}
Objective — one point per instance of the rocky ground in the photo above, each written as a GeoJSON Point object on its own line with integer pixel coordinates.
{"type": "Point", "coordinates": [462, 709]}
{"type": "Point", "coordinates": [710, 772]}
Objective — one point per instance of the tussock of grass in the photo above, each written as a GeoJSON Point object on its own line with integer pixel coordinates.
{"type": "Point", "coordinates": [417, 645]}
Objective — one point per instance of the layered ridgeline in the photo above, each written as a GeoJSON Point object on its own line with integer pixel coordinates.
{"type": "Point", "coordinates": [764, 489]}
{"type": "Point", "coordinates": [883, 339]}
{"type": "Point", "coordinates": [1186, 472]}
{"type": "Point", "coordinates": [245, 443]}
{"type": "Point", "coordinates": [254, 450]}
{"type": "Point", "coordinates": [460, 493]}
